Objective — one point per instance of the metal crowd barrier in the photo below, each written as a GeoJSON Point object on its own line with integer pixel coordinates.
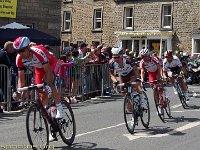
{"type": "Point", "coordinates": [85, 79]}
{"type": "Point", "coordinates": [5, 86]}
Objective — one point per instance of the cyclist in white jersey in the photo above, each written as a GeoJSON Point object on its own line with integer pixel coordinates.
{"type": "Point", "coordinates": [172, 65]}
{"type": "Point", "coordinates": [126, 70]}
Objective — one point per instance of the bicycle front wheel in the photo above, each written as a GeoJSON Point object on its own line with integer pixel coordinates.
{"type": "Point", "coordinates": [130, 117]}
{"type": "Point", "coordinates": [181, 96]}
{"type": "Point", "coordinates": [159, 107]}
{"type": "Point", "coordinates": [67, 124]}
{"type": "Point", "coordinates": [37, 129]}
{"type": "Point", "coordinates": [145, 116]}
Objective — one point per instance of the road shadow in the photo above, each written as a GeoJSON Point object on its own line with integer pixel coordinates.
{"type": "Point", "coordinates": [11, 115]}
{"type": "Point", "coordinates": [96, 101]}
{"type": "Point", "coordinates": [181, 119]}
{"type": "Point", "coordinates": [82, 146]}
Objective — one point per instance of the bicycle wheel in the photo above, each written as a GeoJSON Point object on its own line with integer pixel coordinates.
{"type": "Point", "coordinates": [129, 114]}
{"type": "Point", "coordinates": [145, 116]}
{"type": "Point", "coordinates": [67, 124]}
{"type": "Point", "coordinates": [181, 96]}
{"type": "Point", "coordinates": [37, 129]}
{"type": "Point", "coordinates": [167, 109]}
{"type": "Point", "coordinates": [159, 107]}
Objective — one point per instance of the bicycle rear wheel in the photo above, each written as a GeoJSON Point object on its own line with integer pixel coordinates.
{"type": "Point", "coordinates": [145, 116]}
{"type": "Point", "coordinates": [130, 117]}
{"type": "Point", "coordinates": [67, 124]}
{"type": "Point", "coordinates": [159, 107]}
{"type": "Point", "coordinates": [37, 129]}
{"type": "Point", "coordinates": [181, 96]}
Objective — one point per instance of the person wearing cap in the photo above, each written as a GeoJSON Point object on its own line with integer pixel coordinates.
{"type": "Point", "coordinates": [126, 70]}
{"type": "Point", "coordinates": [172, 65]}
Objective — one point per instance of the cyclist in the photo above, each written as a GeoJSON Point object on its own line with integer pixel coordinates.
{"type": "Point", "coordinates": [152, 65]}
{"type": "Point", "coordinates": [126, 70]}
{"type": "Point", "coordinates": [173, 65]}
{"type": "Point", "coordinates": [45, 65]}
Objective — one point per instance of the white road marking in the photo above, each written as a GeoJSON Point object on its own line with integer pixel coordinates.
{"type": "Point", "coordinates": [90, 132]}
{"type": "Point", "coordinates": [145, 135]}
{"type": "Point", "coordinates": [181, 111]}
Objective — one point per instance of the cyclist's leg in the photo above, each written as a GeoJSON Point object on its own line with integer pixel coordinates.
{"type": "Point", "coordinates": [42, 94]}
{"type": "Point", "coordinates": [184, 87]}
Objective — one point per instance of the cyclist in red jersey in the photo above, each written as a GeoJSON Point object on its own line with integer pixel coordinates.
{"type": "Point", "coordinates": [45, 66]}
{"type": "Point", "coordinates": [152, 65]}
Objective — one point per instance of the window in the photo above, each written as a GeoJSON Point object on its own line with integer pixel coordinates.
{"type": "Point", "coordinates": [196, 46]}
{"type": "Point", "coordinates": [65, 1]}
{"type": "Point", "coordinates": [128, 18]}
{"type": "Point", "coordinates": [97, 23]}
{"type": "Point", "coordinates": [67, 21]}
{"type": "Point", "coordinates": [166, 17]}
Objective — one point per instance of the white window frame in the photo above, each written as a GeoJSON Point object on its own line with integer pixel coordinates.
{"type": "Point", "coordinates": [97, 20]}
{"type": "Point", "coordinates": [195, 37]}
{"type": "Point", "coordinates": [67, 20]}
{"type": "Point", "coordinates": [68, 1]}
{"type": "Point", "coordinates": [163, 16]}
{"type": "Point", "coordinates": [127, 17]}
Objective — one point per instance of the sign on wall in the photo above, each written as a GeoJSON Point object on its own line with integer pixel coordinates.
{"type": "Point", "coordinates": [8, 8]}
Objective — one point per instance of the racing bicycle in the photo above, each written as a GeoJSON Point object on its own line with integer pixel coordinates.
{"type": "Point", "coordinates": [38, 116]}
{"type": "Point", "coordinates": [161, 101]}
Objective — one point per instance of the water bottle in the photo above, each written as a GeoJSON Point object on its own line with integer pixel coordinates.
{"type": "Point", "coordinates": [53, 111]}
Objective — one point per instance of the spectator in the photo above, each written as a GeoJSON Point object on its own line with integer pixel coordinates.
{"type": "Point", "coordinates": [8, 48]}
{"type": "Point", "coordinates": [77, 74]}
{"type": "Point", "coordinates": [82, 49]}
{"type": "Point", "coordinates": [4, 60]}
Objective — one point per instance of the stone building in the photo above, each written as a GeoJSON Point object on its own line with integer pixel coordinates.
{"type": "Point", "coordinates": [156, 24]}
{"type": "Point", "coordinates": [43, 15]}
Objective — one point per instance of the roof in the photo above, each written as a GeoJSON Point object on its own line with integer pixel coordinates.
{"type": "Point", "coordinates": [33, 34]}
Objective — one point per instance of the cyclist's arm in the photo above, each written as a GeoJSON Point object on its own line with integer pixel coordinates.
{"type": "Point", "coordinates": [112, 75]}
{"type": "Point", "coordinates": [49, 74]}
{"type": "Point", "coordinates": [136, 71]}
{"type": "Point", "coordinates": [21, 78]}
{"type": "Point", "coordinates": [142, 74]}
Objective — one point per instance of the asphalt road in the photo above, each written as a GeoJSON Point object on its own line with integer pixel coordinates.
{"type": "Point", "coordinates": [100, 126]}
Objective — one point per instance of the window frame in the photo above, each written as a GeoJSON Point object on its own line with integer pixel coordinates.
{"type": "Point", "coordinates": [194, 38]}
{"type": "Point", "coordinates": [100, 19]}
{"type": "Point", "coordinates": [68, 21]}
{"type": "Point", "coordinates": [125, 17]}
{"type": "Point", "coordinates": [162, 22]}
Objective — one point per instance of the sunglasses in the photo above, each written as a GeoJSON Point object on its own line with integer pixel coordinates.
{"type": "Point", "coordinates": [22, 50]}
{"type": "Point", "coordinates": [116, 57]}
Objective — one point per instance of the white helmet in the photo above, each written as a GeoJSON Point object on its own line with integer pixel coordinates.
{"type": "Point", "coordinates": [144, 52]}
{"type": "Point", "coordinates": [185, 54]}
{"type": "Point", "coordinates": [117, 50]}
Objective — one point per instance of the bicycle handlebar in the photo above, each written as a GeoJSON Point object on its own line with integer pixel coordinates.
{"type": "Point", "coordinates": [30, 87]}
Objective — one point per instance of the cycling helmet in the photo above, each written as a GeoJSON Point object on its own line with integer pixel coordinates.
{"type": "Point", "coordinates": [117, 50]}
{"type": "Point", "coordinates": [20, 43]}
{"type": "Point", "coordinates": [168, 53]}
{"type": "Point", "coordinates": [177, 52]}
{"type": "Point", "coordinates": [144, 52]}
{"type": "Point", "coordinates": [185, 54]}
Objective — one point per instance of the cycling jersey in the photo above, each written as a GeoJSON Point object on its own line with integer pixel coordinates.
{"type": "Point", "coordinates": [151, 65]}
{"type": "Point", "coordinates": [40, 57]}
{"type": "Point", "coordinates": [125, 69]}
{"type": "Point", "coordinates": [173, 66]}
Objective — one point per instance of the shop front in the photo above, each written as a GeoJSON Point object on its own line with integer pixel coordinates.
{"type": "Point", "coordinates": [154, 40]}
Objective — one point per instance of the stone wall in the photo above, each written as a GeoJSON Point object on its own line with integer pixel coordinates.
{"type": "Point", "coordinates": [147, 16]}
